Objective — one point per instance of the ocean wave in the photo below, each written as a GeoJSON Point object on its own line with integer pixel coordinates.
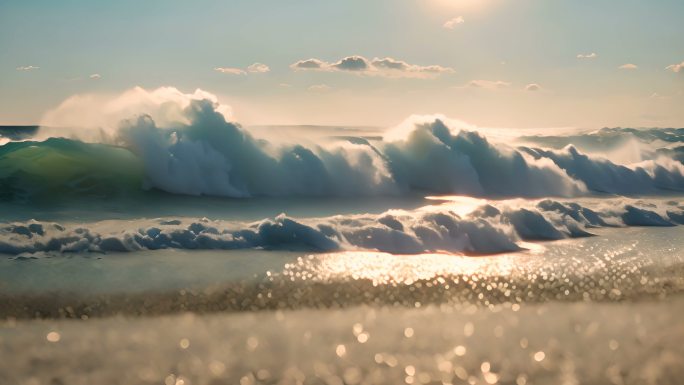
{"type": "Point", "coordinates": [59, 166]}
{"type": "Point", "coordinates": [488, 228]}
{"type": "Point", "coordinates": [602, 175]}
{"type": "Point", "coordinates": [609, 138]}
{"type": "Point", "coordinates": [621, 145]}
{"type": "Point", "coordinates": [196, 151]}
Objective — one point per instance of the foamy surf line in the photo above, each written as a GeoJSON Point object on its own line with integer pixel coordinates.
{"type": "Point", "coordinates": [462, 226]}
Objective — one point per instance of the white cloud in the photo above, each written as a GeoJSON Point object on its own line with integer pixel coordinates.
{"type": "Point", "coordinates": [488, 84]}
{"type": "Point", "coordinates": [95, 76]}
{"type": "Point", "coordinates": [452, 23]}
{"type": "Point", "coordinates": [352, 63]}
{"type": "Point", "coordinates": [230, 70]}
{"type": "Point", "coordinates": [675, 67]}
{"type": "Point", "coordinates": [320, 88]}
{"type": "Point", "coordinates": [532, 87]}
{"type": "Point", "coordinates": [309, 64]}
{"type": "Point", "coordinates": [258, 68]}
{"type": "Point", "coordinates": [27, 68]}
{"type": "Point", "coordinates": [592, 55]}
{"type": "Point", "coordinates": [387, 67]}
{"type": "Point", "coordinates": [628, 66]}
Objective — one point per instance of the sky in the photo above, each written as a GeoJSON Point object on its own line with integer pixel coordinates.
{"type": "Point", "coordinates": [492, 63]}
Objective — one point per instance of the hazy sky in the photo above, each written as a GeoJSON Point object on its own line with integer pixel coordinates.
{"type": "Point", "coordinates": [505, 63]}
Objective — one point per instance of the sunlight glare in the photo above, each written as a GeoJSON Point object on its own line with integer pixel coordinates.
{"type": "Point", "coordinates": [461, 205]}
{"type": "Point", "coordinates": [384, 268]}
{"type": "Point", "coordinates": [460, 4]}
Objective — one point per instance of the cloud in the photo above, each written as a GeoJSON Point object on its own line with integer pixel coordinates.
{"type": "Point", "coordinates": [27, 68]}
{"type": "Point", "coordinates": [532, 87]}
{"type": "Point", "coordinates": [675, 67]}
{"type": "Point", "coordinates": [628, 66]}
{"type": "Point", "coordinates": [398, 65]}
{"type": "Point", "coordinates": [309, 64]}
{"type": "Point", "coordinates": [452, 23]}
{"type": "Point", "coordinates": [230, 70]}
{"type": "Point", "coordinates": [320, 88]}
{"type": "Point", "coordinates": [387, 67]}
{"type": "Point", "coordinates": [488, 84]}
{"type": "Point", "coordinates": [352, 63]}
{"type": "Point", "coordinates": [258, 68]}
{"type": "Point", "coordinates": [95, 76]}
{"type": "Point", "coordinates": [592, 55]}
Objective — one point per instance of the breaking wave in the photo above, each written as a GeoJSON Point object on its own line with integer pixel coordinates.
{"type": "Point", "coordinates": [59, 166]}
{"type": "Point", "coordinates": [607, 139]}
{"type": "Point", "coordinates": [485, 228]}
{"type": "Point", "coordinates": [185, 144]}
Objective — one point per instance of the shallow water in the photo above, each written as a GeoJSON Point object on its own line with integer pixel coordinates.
{"type": "Point", "coordinates": [619, 264]}
{"type": "Point", "coordinates": [599, 309]}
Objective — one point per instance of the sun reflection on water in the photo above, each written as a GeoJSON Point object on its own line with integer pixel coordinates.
{"type": "Point", "coordinates": [461, 205]}
{"type": "Point", "coordinates": [385, 268]}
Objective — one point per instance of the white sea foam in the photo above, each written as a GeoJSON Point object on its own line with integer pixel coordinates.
{"type": "Point", "coordinates": [492, 227]}
{"type": "Point", "coordinates": [187, 146]}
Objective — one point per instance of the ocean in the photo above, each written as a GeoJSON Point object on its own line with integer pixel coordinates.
{"type": "Point", "coordinates": [204, 252]}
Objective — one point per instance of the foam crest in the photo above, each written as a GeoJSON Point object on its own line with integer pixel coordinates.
{"type": "Point", "coordinates": [494, 227]}
{"type": "Point", "coordinates": [185, 144]}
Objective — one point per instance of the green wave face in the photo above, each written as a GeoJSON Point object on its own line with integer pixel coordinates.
{"type": "Point", "coordinates": [58, 167]}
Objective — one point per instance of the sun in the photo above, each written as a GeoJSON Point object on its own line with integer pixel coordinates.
{"type": "Point", "coordinates": [460, 4]}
